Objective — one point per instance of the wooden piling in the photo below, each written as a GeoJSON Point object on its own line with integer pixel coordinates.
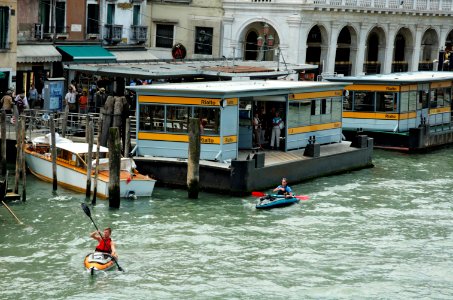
{"type": "Point", "coordinates": [22, 148]}
{"type": "Point", "coordinates": [65, 120]}
{"type": "Point", "coordinates": [193, 161]}
{"type": "Point", "coordinates": [127, 142]}
{"type": "Point", "coordinates": [87, 128]}
{"type": "Point", "coordinates": [18, 151]}
{"type": "Point", "coordinates": [96, 169]}
{"type": "Point", "coordinates": [125, 132]}
{"type": "Point", "coordinates": [3, 142]}
{"type": "Point", "coordinates": [107, 119]}
{"type": "Point", "coordinates": [89, 158]}
{"type": "Point", "coordinates": [114, 167]}
{"type": "Point", "coordinates": [117, 110]}
{"type": "Point", "coordinates": [53, 153]}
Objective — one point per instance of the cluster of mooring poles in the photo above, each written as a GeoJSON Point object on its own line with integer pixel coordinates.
{"type": "Point", "coordinates": [5, 192]}
{"type": "Point", "coordinates": [114, 133]}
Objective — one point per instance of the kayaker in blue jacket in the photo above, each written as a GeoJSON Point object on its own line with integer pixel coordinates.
{"type": "Point", "coordinates": [284, 189]}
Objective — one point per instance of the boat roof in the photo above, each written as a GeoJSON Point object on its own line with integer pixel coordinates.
{"type": "Point", "coordinates": [234, 87]}
{"type": "Point", "coordinates": [80, 148]}
{"type": "Point", "coordinates": [395, 78]}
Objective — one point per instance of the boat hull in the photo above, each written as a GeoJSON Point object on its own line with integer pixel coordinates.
{"type": "Point", "coordinates": [75, 178]}
{"type": "Point", "coordinates": [98, 261]}
{"type": "Point", "coordinates": [277, 202]}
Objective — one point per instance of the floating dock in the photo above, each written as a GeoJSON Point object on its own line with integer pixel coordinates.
{"type": "Point", "coordinates": [264, 169]}
{"type": "Point", "coordinates": [409, 111]}
{"type": "Point", "coordinates": [309, 144]}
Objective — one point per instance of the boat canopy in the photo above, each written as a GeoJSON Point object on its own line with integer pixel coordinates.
{"type": "Point", "coordinates": [80, 148]}
{"type": "Point", "coordinates": [46, 139]}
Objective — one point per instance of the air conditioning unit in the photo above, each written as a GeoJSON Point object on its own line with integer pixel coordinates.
{"type": "Point", "coordinates": [93, 36]}
{"type": "Point", "coordinates": [62, 36]}
{"type": "Point", "coordinates": [39, 31]}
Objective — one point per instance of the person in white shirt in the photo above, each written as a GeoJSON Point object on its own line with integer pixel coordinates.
{"type": "Point", "coordinates": [70, 99]}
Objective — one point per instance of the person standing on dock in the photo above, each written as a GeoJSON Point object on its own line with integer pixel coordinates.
{"type": "Point", "coordinates": [257, 130]}
{"type": "Point", "coordinates": [32, 96]}
{"type": "Point", "coordinates": [83, 103]}
{"type": "Point", "coordinates": [21, 102]}
{"type": "Point", "coordinates": [284, 189]}
{"type": "Point", "coordinates": [105, 244]}
{"type": "Point", "coordinates": [100, 98]}
{"type": "Point", "coordinates": [7, 102]}
{"type": "Point", "coordinates": [276, 131]}
{"type": "Point", "coordinates": [70, 99]}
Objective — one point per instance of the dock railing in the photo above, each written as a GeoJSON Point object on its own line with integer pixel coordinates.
{"type": "Point", "coordinates": [37, 124]}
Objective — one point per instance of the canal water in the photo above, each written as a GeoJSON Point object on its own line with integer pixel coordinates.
{"type": "Point", "coordinates": [379, 233]}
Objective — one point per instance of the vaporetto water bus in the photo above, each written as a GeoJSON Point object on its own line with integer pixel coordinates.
{"type": "Point", "coordinates": [404, 111]}
{"type": "Point", "coordinates": [310, 142]}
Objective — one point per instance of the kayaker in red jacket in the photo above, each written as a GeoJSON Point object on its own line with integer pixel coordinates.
{"type": "Point", "coordinates": [105, 244]}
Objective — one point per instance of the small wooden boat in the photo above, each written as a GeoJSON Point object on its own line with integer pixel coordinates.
{"type": "Point", "coordinates": [98, 261]}
{"type": "Point", "coordinates": [72, 168]}
{"type": "Point", "coordinates": [273, 201]}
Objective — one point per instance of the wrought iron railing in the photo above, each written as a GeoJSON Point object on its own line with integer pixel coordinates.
{"type": "Point", "coordinates": [434, 6]}
{"type": "Point", "coordinates": [113, 33]}
{"type": "Point", "coordinates": [139, 33]}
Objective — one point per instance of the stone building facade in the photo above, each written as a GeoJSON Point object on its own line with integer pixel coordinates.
{"type": "Point", "coordinates": [349, 37]}
{"type": "Point", "coordinates": [8, 42]}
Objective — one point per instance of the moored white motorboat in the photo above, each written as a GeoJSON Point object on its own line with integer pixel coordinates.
{"type": "Point", "coordinates": [72, 168]}
{"type": "Point", "coordinates": [98, 261]}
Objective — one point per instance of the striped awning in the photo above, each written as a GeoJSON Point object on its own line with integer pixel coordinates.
{"type": "Point", "coordinates": [133, 56]}
{"type": "Point", "coordinates": [37, 53]}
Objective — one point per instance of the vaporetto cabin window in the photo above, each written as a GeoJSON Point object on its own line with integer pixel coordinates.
{"type": "Point", "coordinates": [423, 96]}
{"type": "Point", "coordinates": [386, 102]}
{"type": "Point", "coordinates": [314, 111]}
{"type": "Point", "coordinates": [408, 101]}
{"type": "Point", "coordinates": [363, 101]}
{"type": "Point", "coordinates": [440, 97]}
{"type": "Point", "coordinates": [175, 118]}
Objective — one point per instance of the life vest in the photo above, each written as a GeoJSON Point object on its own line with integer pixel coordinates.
{"type": "Point", "coordinates": [287, 190]}
{"type": "Point", "coordinates": [105, 246]}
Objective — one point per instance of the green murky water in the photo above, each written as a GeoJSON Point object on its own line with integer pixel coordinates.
{"type": "Point", "coordinates": [381, 233]}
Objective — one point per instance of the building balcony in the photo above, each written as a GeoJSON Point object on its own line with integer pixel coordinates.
{"type": "Point", "coordinates": [139, 33]}
{"type": "Point", "coordinates": [113, 33]}
{"type": "Point", "coordinates": [41, 32]}
{"type": "Point", "coordinates": [418, 7]}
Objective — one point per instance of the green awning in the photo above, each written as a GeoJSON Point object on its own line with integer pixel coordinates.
{"type": "Point", "coordinates": [2, 75]}
{"type": "Point", "coordinates": [85, 53]}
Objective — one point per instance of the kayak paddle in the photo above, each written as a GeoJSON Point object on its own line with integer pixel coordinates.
{"type": "Point", "coordinates": [87, 211]}
{"type": "Point", "coordinates": [261, 194]}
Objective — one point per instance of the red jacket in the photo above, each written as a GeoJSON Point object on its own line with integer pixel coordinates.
{"type": "Point", "coordinates": [105, 246]}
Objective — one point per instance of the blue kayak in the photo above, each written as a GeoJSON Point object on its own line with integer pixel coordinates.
{"type": "Point", "coordinates": [274, 202]}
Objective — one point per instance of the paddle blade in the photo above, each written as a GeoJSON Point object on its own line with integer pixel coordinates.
{"type": "Point", "coordinates": [258, 194]}
{"type": "Point", "coordinates": [302, 197]}
{"type": "Point", "coordinates": [86, 209]}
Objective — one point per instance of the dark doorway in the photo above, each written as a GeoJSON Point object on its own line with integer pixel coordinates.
{"type": "Point", "coordinates": [251, 47]}
{"type": "Point", "coordinates": [342, 57]}
{"type": "Point", "coordinates": [372, 64]}
{"type": "Point", "coordinates": [93, 19]}
{"type": "Point", "coordinates": [314, 42]}
{"type": "Point", "coordinates": [4, 83]}
{"type": "Point", "coordinates": [373, 47]}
